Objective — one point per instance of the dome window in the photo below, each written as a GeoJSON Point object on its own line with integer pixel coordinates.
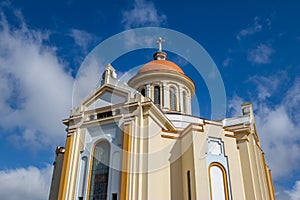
{"type": "Point", "coordinates": [156, 98]}
{"type": "Point", "coordinates": [173, 99]}
{"type": "Point", "coordinates": [143, 92]}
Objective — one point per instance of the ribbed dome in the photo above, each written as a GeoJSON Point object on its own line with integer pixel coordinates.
{"type": "Point", "coordinates": [158, 65]}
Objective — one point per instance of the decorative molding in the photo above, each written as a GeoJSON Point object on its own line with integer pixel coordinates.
{"type": "Point", "coordinates": [229, 135]}
{"type": "Point", "coordinates": [169, 136]}
{"type": "Point", "coordinates": [205, 121]}
{"type": "Point", "coordinates": [219, 159]}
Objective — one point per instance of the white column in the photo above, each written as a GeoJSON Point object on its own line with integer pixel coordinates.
{"type": "Point", "coordinates": [148, 90]}
{"type": "Point", "coordinates": [189, 104]}
{"type": "Point", "coordinates": [164, 96]}
{"type": "Point", "coordinates": [180, 98]}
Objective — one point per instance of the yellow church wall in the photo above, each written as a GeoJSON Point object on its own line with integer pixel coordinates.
{"type": "Point", "coordinates": [147, 165]}
{"type": "Point", "coordinates": [253, 164]}
{"type": "Point", "coordinates": [232, 154]}
{"type": "Point", "coordinates": [125, 164]}
{"type": "Point", "coordinates": [261, 172]}
{"type": "Point", "coordinates": [135, 171]}
{"type": "Point", "coordinates": [65, 168]}
{"type": "Point", "coordinates": [74, 162]}
{"type": "Point", "coordinates": [270, 185]}
{"type": "Point", "coordinates": [159, 184]}
{"type": "Point", "coordinates": [247, 166]}
{"type": "Point", "coordinates": [201, 188]}
{"type": "Point", "coordinates": [234, 165]}
{"type": "Point", "coordinates": [158, 162]}
{"type": "Point", "coordinates": [71, 166]}
{"type": "Point", "coordinates": [188, 165]}
{"type": "Point", "coordinates": [163, 163]}
{"type": "Point", "coordinates": [269, 180]}
{"type": "Point", "coordinates": [142, 141]}
{"type": "Point", "coordinates": [264, 178]}
{"type": "Point", "coordinates": [176, 177]}
{"type": "Point", "coordinates": [255, 168]}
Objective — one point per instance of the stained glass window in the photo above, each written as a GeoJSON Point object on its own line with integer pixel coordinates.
{"type": "Point", "coordinates": [100, 171]}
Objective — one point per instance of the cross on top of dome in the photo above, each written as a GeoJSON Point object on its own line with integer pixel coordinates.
{"type": "Point", "coordinates": [159, 42]}
{"type": "Point", "coordinates": [160, 55]}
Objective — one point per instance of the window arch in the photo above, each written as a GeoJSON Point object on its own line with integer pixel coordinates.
{"type": "Point", "coordinates": [100, 171]}
{"type": "Point", "coordinates": [218, 182]}
{"type": "Point", "coordinates": [173, 99]}
{"type": "Point", "coordinates": [156, 98]}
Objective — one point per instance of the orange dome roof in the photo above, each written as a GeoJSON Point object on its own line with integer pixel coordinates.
{"type": "Point", "coordinates": [157, 65]}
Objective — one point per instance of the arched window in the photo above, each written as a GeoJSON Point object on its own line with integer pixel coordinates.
{"type": "Point", "coordinates": [184, 101]}
{"type": "Point", "coordinates": [173, 100]}
{"type": "Point", "coordinates": [156, 98]}
{"type": "Point", "coordinates": [218, 182]}
{"type": "Point", "coordinates": [189, 185]}
{"type": "Point", "coordinates": [100, 171]}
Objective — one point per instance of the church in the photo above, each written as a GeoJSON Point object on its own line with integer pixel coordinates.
{"type": "Point", "coordinates": [139, 140]}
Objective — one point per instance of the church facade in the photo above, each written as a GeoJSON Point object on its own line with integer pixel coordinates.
{"type": "Point", "coordinates": [139, 140]}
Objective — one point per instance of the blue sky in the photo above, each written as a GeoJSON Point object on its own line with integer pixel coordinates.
{"type": "Point", "coordinates": [255, 45]}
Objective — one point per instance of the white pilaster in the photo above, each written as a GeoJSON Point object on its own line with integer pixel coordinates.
{"type": "Point", "coordinates": [181, 99]}
{"type": "Point", "coordinates": [164, 95]}
{"type": "Point", "coordinates": [148, 90]}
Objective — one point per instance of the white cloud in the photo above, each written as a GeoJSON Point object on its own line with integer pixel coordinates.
{"type": "Point", "coordinates": [143, 13]}
{"type": "Point", "coordinates": [269, 23]}
{"type": "Point", "coordinates": [267, 85]}
{"type": "Point", "coordinates": [292, 101]}
{"type": "Point", "coordinates": [226, 62]}
{"type": "Point", "coordinates": [261, 54]}
{"type": "Point", "coordinates": [132, 40]}
{"type": "Point", "coordinates": [87, 78]}
{"type": "Point", "coordinates": [35, 86]}
{"type": "Point", "coordinates": [251, 29]}
{"type": "Point", "coordinates": [234, 105]}
{"type": "Point", "coordinates": [25, 183]}
{"type": "Point", "coordinates": [281, 194]}
{"type": "Point", "coordinates": [278, 135]}
{"type": "Point", "coordinates": [294, 194]}
{"type": "Point", "coordinates": [83, 39]}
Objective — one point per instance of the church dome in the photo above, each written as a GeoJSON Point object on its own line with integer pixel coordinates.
{"type": "Point", "coordinates": [165, 83]}
{"type": "Point", "coordinates": [160, 65]}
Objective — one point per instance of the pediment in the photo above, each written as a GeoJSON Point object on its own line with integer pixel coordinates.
{"type": "Point", "coordinates": [105, 96]}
